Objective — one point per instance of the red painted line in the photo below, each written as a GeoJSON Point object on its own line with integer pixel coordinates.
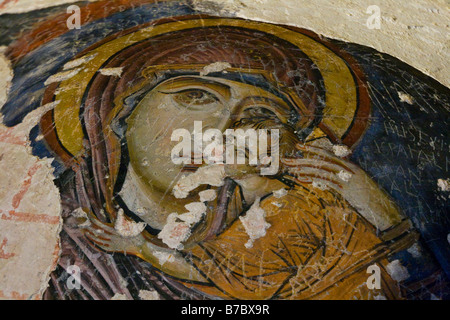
{"type": "Point", "coordinates": [25, 186]}
{"type": "Point", "coordinates": [29, 217]}
{"type": "Point", "coordinates": [5, 2]}
{"type": "Point", "coordinates": [56, 256]}
{"type": "Point", "coordinates": [4, 255]}
{"type": "Point", "coordinates": [14, 295]}
{"type": "Point", "coordinates": [6, 136]}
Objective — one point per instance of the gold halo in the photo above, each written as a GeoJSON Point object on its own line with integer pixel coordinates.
{"type": "Point", "coordinates": [340, 86]}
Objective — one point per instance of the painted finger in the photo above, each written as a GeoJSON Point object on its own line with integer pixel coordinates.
{"type": "Point", "coordinates": [100, 225]}
{"type": "Point", "coordinates": [314, 170]}
{"type": "Point", "coordinates": [318, 180]}
{"type": "Point", "coordinates": [313, 163]}
{"type": "Point", "coordinates": [326, 183]}
{"type": "Point", "coordinates": [299, 178]}
{"type": "Point", "coordinates": [92, 233]}
{"type": "Point", "coordinates": [311, 152]}
{"type": "Point", "coordinates": [102, 245]}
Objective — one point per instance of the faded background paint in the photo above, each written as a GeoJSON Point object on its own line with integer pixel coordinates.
{"type": "Point", "coordinates": [416, 32]}
{"type": "Point", "coordinates": [29, 210]}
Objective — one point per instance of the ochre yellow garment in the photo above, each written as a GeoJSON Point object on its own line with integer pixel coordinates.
{"type": "Point", "coordinates": [317, 247]}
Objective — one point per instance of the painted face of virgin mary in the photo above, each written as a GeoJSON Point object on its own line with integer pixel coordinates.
{"type": "Point", "coordinates": [176, 103]}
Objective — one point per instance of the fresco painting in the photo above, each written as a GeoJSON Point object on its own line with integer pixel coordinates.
{"type": "Point", "coordinates": [361, 179]}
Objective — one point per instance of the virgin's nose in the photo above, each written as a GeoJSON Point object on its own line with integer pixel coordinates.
{"type": "Point", "coordinates": [225, 118]}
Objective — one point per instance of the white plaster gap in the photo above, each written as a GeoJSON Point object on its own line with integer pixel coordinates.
{"type": "Point", "coordinates": [6, 77]}
{"type": "Point", "coordinates": [78, 62]}
{"type": "Point", "coordinates": [164, 257]}
{"type": "Point", "coordinates": [319, 185]}
{"type": "Point", "coordinates": [397, 271]}
{"type": "Point", "coordinates": [33, 118]}
{"type": "Point", "coordinates": [196, 212]}
{"type": "Point", "coordinates": [344, 175]}
{"type": "Point", "coordinates": [112, 72]}
{"type": "Point", "coordinates": [175, 232]}
{"type": "Point", "coordinates": [277, 204]}
{"type": "Point", "coordinates": [280, 193]}
{"type": "Point", "coordinates": [215, 67]}
{"type": "Point", "coordinates": [80, 214]}
{"type": "Point", "coordinates": [149, 295]}
{"type": "Point", "coordinates": [119, 296]}
{"type": "Point", "coordinates": [255, 223]}
{"type": "Point", "coordinates": [62, 76]}
{"type": "Point", "coordinates": [212, 175]}
{"type": "Point", "coordinates": [414, 250]}
{"type": "Point", "coordinates": [178, 226]}
{"type": "Point", "coordinates": [127, 228]}
{"type": "Point", "coordinates": [207, 195]}
{"type": "Point", "coordinates": [443, 185]}
{"type": "Point", "coordinates": [404, 97]}
{"type": "Point", "coordinates": [341, 150]}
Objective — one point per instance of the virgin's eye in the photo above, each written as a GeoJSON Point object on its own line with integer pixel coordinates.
{"type": "Point", "coordinates": [194, 97]}
{"type": "Point", "coordinates": [197, 96]}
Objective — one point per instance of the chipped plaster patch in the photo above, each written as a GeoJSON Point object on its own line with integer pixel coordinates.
{"type": "Point", "coordinates": [32, 119]}
{"type": "Point", "coordinates": [174, 232]}
{"type": "Point", "coordinates": [78, 62]}
{"type": "Point", "coordinates": [277, 204]}
{"type": "Point", "coordinates": [178, 226]}
{"type": "Point", "coordinates": [62, 76]}
{"type": "Point", "coordinates": [254, 223]}
{"type": "Point", "coordinates": [112, 72]}
{"type": "Point", "coordinates": [196, 211]}
{"type": "Point", "coordinates": [397, 271]}
{"type": "Point", "coordinates": [164, 257]}
{"type": "Point", "coordinates": [149, 295]}
{"type": "Point", "coordinates": [319, 185]}
{"type": "Point", "coordinates": [280, 193]}
{"type": "Point", "coordinates": [207, 195]}
{"type": "Point", "coordinates": [444, 185]}
{"type": "Point", "coordinates": [119, 296]}
{"type": "Point", "coordinates": [414, 250]}
{"type": "Point", "coordinates": [6, 73]}
{"type": "Point", "coordinates": [212, 175]}
{"type": "Point", "coordinates": [80, 214]}
{"type": "Point", "coordinates": [404, 97]}
{"type": "Point", "coordinates": [215, 67]}
{"type": "Point", "coordinates": [341, 151]}
{"type": "Point", "coordinates": [344, 175]}
{"type": "Point", "coordinates": [127, 228]}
